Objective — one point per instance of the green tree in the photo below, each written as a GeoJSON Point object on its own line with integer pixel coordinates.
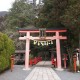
{"type": "Point", "coordinates": [50, 13]}
{"type": "Point", "coordinates": [71, 19]}
{"type": "Point", "coordinates": [20, 15]}
{"type": "Point", "coordinates": [6, 49]}
{"type": "Point", "coordinates": [60, 13]}
{"type": "Point", "coordinates": [2, 25]}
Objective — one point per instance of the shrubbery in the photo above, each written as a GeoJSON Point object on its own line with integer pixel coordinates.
{"type": "Point", "coordinates": [6, 49]}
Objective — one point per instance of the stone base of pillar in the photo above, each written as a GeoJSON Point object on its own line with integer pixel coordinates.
{"type": "Point", "coordinates": [59, 69]}
{"type": "Point", "coordinates": [26, 69]}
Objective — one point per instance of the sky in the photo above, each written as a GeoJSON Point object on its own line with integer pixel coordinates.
{"type": "Point", "coordinates": [5, 5]}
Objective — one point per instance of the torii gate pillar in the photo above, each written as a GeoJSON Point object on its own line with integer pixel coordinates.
{"type": "Point", "coordinates": [27, 51]}
{"type": "Point", "coordinates": [58, 52]}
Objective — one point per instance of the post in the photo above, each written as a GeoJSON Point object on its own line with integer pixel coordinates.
{"type": "Point", "coordinates": [58, 52]}
{"type": "Point", "coordinates": [65, 59]}
{"type": "Point", "coordinates": [74, 63]}
{"type": "Point", "coordinates": [27, 51]}
{"type": "Point", "coordinates": [12, 62]}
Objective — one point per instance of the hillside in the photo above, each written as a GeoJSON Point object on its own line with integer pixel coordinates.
{"type": "Point", "coordinates": [3, 13]}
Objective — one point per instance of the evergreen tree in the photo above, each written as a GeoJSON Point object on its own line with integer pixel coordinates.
{"type": "Point", "coordinates": [20, 15]}
{"type": "Point", "coordinates": [6, 49]}
{"type": "Point", "coordinates": [71, 19]}
{"type": "Point", "coordinates": [50, 13]}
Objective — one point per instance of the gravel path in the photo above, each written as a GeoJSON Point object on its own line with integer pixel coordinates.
{"type": "Point", "coordinates": [17, 74]}
{"type": "Point", "coordinates": [66, 75]}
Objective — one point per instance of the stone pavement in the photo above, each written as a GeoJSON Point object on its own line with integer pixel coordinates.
{"type": "Point", "coordinates": [44, 64]}
{"type": "Point", "coordinates": [43, 73]}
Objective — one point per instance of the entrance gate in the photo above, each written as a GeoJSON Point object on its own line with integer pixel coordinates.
{"type": "Point", "coordinates": [57, 36]}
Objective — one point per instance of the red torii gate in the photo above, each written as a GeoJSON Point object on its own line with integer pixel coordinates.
{"type": "Point", "coordinates": [57, 37]}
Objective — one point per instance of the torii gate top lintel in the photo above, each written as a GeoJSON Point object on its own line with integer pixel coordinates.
{"type": "Point", "coordinates": [47, 30]}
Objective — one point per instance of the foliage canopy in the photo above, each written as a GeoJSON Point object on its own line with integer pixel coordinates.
{"type": "Point", "coordinates": [50, 13]}
{"type": "Point", "coordinates": [20, 15]}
